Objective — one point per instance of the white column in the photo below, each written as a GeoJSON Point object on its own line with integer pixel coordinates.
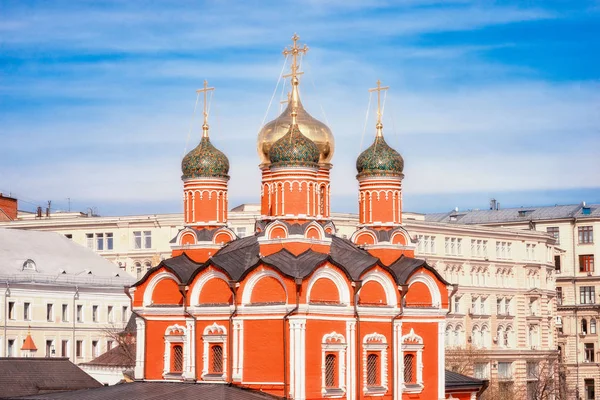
{"type": "Point", "coordinates": [236, 350]}
{"type": "Point", "coordinates": [441, 360]}
{"type": "Point", "coordinates": [190, 345]}
{"type": "Point", "coordinates": [292, 358]}
{"type": "Point", "coordinates": [140, 348]}
{"type": "Point", "coordinates": [398, 361]}
{"type": "Point", "coordinates": [351, 357]}
{"type": "Point", "coordinates": [241, 350]}
{"type": "Point", "coordinates": [301, 362]}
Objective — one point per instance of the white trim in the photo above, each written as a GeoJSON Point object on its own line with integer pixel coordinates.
{"type": "Point", "coordinates": [147, 301]}
{"type": "Point", "coordinates": [427, 280]}
{"type": "Point", "coordinates": [140, 348]}
{"type": "Point", "coordinates": [199, 285]}
{"type": "Point", "coordinates": [375, 342]}
{"type": "Point", "coordinates": [215, 334]}
{"type": "Point", "coordinates": [381, 278]}
{"type": "Point", "coordinates": [415, 345]}
{"type": "Point", "coordinates": [398, 360]}
{"type": "Point", "coordinates": [334, 343]}
{"type": "Point", "coordinates": [329, 273]}
{"type": "Point", "coordinates": [253, 280]}
{"type": "Point", "coordinates": [179, 339]}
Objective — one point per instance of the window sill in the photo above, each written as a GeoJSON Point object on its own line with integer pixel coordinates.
{"type": "Point", "coordinates": [173, 375]}
{"type": "Point", "coordinates": [213, 377]}
{"type": "Point", "coordinates": [333, 392]}
{"type": "Point", "coordinates": [413, 388]}
{"type": "Point", "coordinates": [375, 391]}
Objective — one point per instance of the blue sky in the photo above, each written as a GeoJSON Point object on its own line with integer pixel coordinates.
{"type": "Point", "coordinates": [488, 99]}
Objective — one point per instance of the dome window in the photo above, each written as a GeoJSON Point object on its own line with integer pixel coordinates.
{"type": "Point", "coordinates": [29, 265]}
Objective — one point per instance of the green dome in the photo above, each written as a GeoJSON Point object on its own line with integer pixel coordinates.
{"type": "Point", "coordinates": [205, 161]}
{"type": "Point", "coordinates": [294, 148]}
{"type": "Point", "coordinates": [379, 159]}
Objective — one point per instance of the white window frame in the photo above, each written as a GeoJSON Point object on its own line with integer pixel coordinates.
{"type": "Point", "coordinates": [413, 343]}
{"type": "Point", "coordinates": [334, 343]}
{"type": "Point", "coordinates": [214, 334]}
{"type": "Point", "coordinates": [173, 335]}
{"type": "Point", "coordinates": [372, 343]}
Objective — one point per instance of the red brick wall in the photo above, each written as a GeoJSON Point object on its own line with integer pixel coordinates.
{"type": "Point", "coordinates": [8, 206]}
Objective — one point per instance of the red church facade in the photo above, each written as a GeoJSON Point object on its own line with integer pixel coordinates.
{"type": "Point", "coordinates": [294, 310]}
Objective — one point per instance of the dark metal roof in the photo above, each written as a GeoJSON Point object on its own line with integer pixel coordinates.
{"type": "Point", "coordinates": [160, 390]}
{"type": "Point", "coordinates": [404, 267]}
{"type": "Point", "coordinates": [238, 256]}
{"type": "Point", "coordinates": [296, 266]}
{"type": "Point", "coordinates": [182, 266]}
{"type": "Point", "coordinates": [351, 257]}
{"type": "Point", "coordinates": [454, 380]}
{"type": "Point", "coordinates": [30, 376]}
{"type": "Point", "coordinates": [120, 356]}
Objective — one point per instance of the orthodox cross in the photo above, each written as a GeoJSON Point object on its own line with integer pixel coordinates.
{"type": "Point", "coordinates": [378, 89]}
{"type": "Point", "coordinates": [205, 90]}
{"type": "Point", "coordinates": [294, 50]}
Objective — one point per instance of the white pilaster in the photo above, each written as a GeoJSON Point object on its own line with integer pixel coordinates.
{"type": "Point", "coordinates": [140, 348]}
{"type": "Point", "coordinates": [398, 361]}
{"type": "Point", "coordinates": [441, 360]}
{"type": "Point", "coordinates": [190, 367]}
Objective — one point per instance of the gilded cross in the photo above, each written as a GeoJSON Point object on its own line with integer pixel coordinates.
{"type": "Point", "coordinates": [378, 89]}
{"type": "Point", "coordinates": [294, 50]}
{"type": "Point", "coordinates": [205, 90]}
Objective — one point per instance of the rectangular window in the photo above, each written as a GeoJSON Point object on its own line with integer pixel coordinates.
{"type": "Point", "coordinates": [94, 313]}
{"type": "Point", "coordinates": [89, 240]}
{"type": "Point", "coordinates": [453, 246]}
{"type": "Point", "coordinates": [124, 314]}
{"type": "Point", "coordinates": [109, 313]}
{"type": "Point", "coordinates": [137, 240]}
{"type": "Point", "coordinates": [69, 235]}
{"type": "Point", "coordinates": [241, 231]}
{"type": "Point", "coordinates": [503, 250]}
{"type": "Point", "coordinates": [109, 241]}
{"type": "Point", "coordinates": [559, 295]}
{"type": "Point", "coordinates": [11, 348]}
{"type": "Point", "coordinates": [530, 251]}
{"type": "Point", "coordinates": [499, 306]}
{"type": "Point", "coordinates": [65, 313]}
{"type": "Point", "coordinates": [94, 348]}
{"type": "Point", "coordinates": [99, 241]}
{"type": "Point", "coordinates": [109, 345]}
{"type": "Point", "coordinates": [504, 370]}
{"type": "Point", "coordinates": [590, 389]}
{"type": "Point", "coordinates": [587, 295]}
{"type": "Point", "coordinates": [79, 313]}
{"type": "Point", "coordinates": [586, 263]}
{"type": "Point", "coordinates": [557, 263]}
{"type": "Point", "coordinates": [480, 370]}
{"type": "Point", "coordinates": [147, 239]}
{"type": "Point", "coordinates": [79, 348]}
{"type": "Point", "coordinates": [64, 348]}
{"type": "Point", "coordinates": [50, 352]}
{"type": "Point", "coordinates": [11, 310]}
{"type": "Point", "coordinates": [586, 234]}
{"type": "Point", "coordinates": [49, 312]}
{"type": "Point", "coordinates": [456, 304]}
{"type": "Point", "coordinates": [507, 306]}
{"type": "Point", "coordinates": [532, 370]}
{"type": "Point", "coordinates": [588, 355]}
{"type": "Point", "coordinates": [554, 232]}
{"type": "Point", "coordinates": [26, 311]}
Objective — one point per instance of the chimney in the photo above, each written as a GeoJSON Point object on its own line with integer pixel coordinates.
{"type": "Point", "coordinates": [493, 204]}
{"type": "Point", "coordinates": [8, 208]}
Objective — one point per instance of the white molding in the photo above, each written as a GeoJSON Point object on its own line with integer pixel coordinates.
{"type": "Point", "coordinates": [427, 280]}
{"type": "Point", "coordinates": [201, 281]}
{"type": "Point", "coordinates": [152, 285]}
{"type": "Point", "coordinates": [216, 334]}
{"type": "Point", "coordinates": [140, 348]}
{"type": "Point", "coordinates": [327, 272]}
{"type": "Point", "coordinates": [169, 339]}
{"type": "Point", "coordinates": [388, 287]}
{"type": "Point", "coordinates": [253, 280]}
{"type": "Point", "coordinates": [334, 342]}
{"type": "Point", "coordinates": [375, 342]}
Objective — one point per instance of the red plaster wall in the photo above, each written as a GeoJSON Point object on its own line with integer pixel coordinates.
{"type": "Point", "coordinates": [263, 350]}
{"type": "Point", "coordinates": [372, 293]}
{"type": "Point", "coordinates": [324, 291]}
{"type": "Point", "coordinates": [167, 292]}
{"type": "Point", "coordinates": [215, 291]}
{"type": "Point", "coordinates": [268, 290]}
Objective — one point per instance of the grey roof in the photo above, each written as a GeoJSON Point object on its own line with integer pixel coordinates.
{"type": "Point", "coordinates": [29, 376]}
{"type": "Point", "coordinates": [57, 260]}
{"type": "Point", "coordinates": [404, 267]}
{"type": "Point", "coordinates": [202, 235]}
{"type": "Point", "coordinates": [520, 214]}
{"type": "Point", "coordinates": [160, 390]}
{"type": "Point", "coordinates": [454, 380]}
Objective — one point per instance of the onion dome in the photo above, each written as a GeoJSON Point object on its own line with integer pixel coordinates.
{"type": "Point", "coordinates": [205, 161]}
{"type": "Point", "coordinates": [294, 149]}
{"type": "Point", "coordinates": [379, 159]}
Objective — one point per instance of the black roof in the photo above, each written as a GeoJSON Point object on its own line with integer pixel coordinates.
{"type": "Point", "coordinates": [240, 256]}
{"type": "Point", "coordinates": [454, 380]}
{"type": "Point", "coordinates": [31, 376]}
{"type": "Point", "coordinates": [160, 390]}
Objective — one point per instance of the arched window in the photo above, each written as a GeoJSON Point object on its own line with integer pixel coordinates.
{"type": "Point", "coordinates": [372, 370]}
{"type": "Point", "coordinates": [177, 356]}
{"type": "Point", "coordinates": [409, 368]}
{"type": "Point", "coordinates": [584, 326]}
{"type": "Point", "coordinates": [330, 368]}
{"type": "Point", "coordinates": [475, 336]}
{"type": "Point", "coordinates": [217, 359]}
{"type": "Point", "coordinates": [592, 326]}
{"type": "Point", "coordinates": [147, 265]}
{"type": "Point", "coordinates": [138, 269]}
{"type": "Point", "coordinates": [449, 336]}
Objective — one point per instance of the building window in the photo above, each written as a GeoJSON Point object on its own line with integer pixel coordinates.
{"type": "Point", "coordinates": [241, 231]}
{"type": "Point", "coordinates": [69, 235]}
{"type": "Point", "coordinates": [375, 356]}
{"type": "Point", "coordinates": [586, 234]}
{"type": "Point", "coordinates": [593, 326]}
{"type": "Point", "coordinates": [79, 313]}
{"type": "Point", "coordinates": [590, 389]}
{"type": "Point", "coordinates": [584, 326]}
{"type": "Point", "coordinates": [142, 240]}
{"type": "Point", "coordinates": [530, 251]}
{"type": "Point", "coordinates": [453, 246]}
{"type": "Point", "coordinates": [426, 244]}
{"type": "Point", "coordinates": [554, 232]}
{"type": "Point", "coordinates": [94, 348]}
{"type": "Point", "coordinates": [330, 368]}
{"type": "Point", "coordinates": [26, 311]}
{"type": "Point", "coordinates": [559, 295]}
{"type": "Point", "coordinates": [586, 263]}
{"type": "Point", "coordinates": [109, 345]}
{"type": "Point", "coordinates": [479, 248]}
{"type": "Point", "coordinates": [505, 370]}
{"type": "Point", "coordinates": [138, 269]}
{"type": "Point", "coordinates": [137, 240]}
{"type": "Point", "coordinates": [99, 241]}
{"type": "Point", "coordinates": [64, 348]}
{"type": "Point", "coordinates": [65, 313]}
{"type": "Point", "coordinates": [11, 310]}
{"type": "Point", "coordinates": [216, 359]}
{"type": "Point", "coordinates": [457, 304]}
{"type": "Point", "coordinates": [147, 239]}
{"type": "Point", "coordinates": [409, 368]}
{"type": "Point", "coordinates": [79, 348]}
{"type": "Point", "coordinates": [49, 312]}
{"type": "Point", "coordinates": [94, 313]}
{"type": "Point", "coordinates": [10, 351]}
{"type": "Point", "coordinates": [557, 263]}
{"type": "Point", "coordinates": [503, 250]}
{"type": "Point", "coordinates": [50, 348]}
{"type": "Point", "coordinates": [89, 240]}
{"type": "Point", "coordinates": [109, 313]}
{"type": "Point", "coordinates": [588, 355]}
{"type": "Point", "coordinates": [372, 370]}
{"type": "Point", "coordinates": [148, 266]}
{"type": "Point", "coordinates": [587, 295]}
{"type": "Point", "coordinates": [333, 355]}
{"type": "Point", "coordinates": [124, 314]}
{"type": "Point", "coordinates": [177, 359]}
{"type": "Point", "coordinates": [109, 241]}
{"type": "Point", "coordinates": [480, 370]}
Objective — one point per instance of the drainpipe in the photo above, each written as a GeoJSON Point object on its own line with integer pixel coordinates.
{"type": "Point", "coordinates": [357, 286]}
{"type": "Point", "coordinates": [232, 287]}
{"type": "Point", "coordinates": [298, 282]}
{"type": "Point", "coordinates": [183, 289]}
{"type": "Point", "coordinates": [6, 295]}
{"type": "Point", "coordinates": [403, 289]}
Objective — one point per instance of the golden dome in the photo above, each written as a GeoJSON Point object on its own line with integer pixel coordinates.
{"type": "Point", "coordinates": [313, 129]}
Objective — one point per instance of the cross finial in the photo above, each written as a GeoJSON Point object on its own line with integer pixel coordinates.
{"type": "Point", "coordinates": [205, 90]}
{"type": "Point", "coordinates": [294, 50]}
{"type": "Point", "coordinates": [378, 89]}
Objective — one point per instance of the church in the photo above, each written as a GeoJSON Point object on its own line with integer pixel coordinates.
{"type": "Point", "coordinates": [294, 310]}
